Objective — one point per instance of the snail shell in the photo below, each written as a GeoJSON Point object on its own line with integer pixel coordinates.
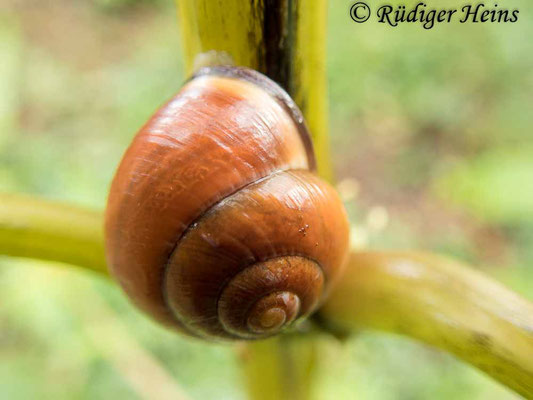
{"type": "Point", "coordinates": [216, 224]}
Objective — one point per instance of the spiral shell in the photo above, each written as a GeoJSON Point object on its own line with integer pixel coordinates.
{"type": "Point", "coordinates": [216, 223]}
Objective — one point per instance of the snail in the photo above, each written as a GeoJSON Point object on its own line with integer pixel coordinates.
{"type": "Point", "coordinates": [216, 223]}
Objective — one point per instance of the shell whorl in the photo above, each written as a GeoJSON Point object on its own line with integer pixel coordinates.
{"type": "Point", "coordinates": [215, 223]}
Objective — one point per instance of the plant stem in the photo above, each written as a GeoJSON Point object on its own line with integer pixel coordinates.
{"type": "Point", "coordinates": [51, 231]}
{"type": "Point", "coordinates": [443, 303]}
{"type": "Point", "coordinates": [284, 39]}
{"type": "Point", "coordinates": [275, 368]}
{"type": "Point", "coordinates": [427, 297]}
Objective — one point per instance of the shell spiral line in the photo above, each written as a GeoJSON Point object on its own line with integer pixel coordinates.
{"type": "Point", "coordinates": [216, 223]}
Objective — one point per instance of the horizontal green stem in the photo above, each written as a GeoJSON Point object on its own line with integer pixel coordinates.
{"type": "Point", "coordinates": [443, 303]}
{"type": "Point", "coordinates": [51, 231]}
{"type": "Point", "coordinates": [427, 297]}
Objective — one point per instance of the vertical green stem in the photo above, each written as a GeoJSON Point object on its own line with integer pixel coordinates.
{"type": "Point", "coordinates": [309, 79]}
{"type": "Point", "coordinates": [280, 368]}
{"type": "Point", "coordinates": [285, 40]}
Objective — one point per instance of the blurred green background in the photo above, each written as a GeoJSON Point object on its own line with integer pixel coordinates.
{"type": "Point", "coordinates": [433, 142]}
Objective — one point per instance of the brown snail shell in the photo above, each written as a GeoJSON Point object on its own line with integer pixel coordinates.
{"type": "Point", "coordinates": [216, 224]}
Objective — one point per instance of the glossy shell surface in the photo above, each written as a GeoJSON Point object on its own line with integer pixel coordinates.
{"type": "Point", "coordinates": [215, 183]}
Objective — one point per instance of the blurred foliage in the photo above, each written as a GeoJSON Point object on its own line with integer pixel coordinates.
{"type": "Point", "coordinates": [433, 146]}
{"type": "Point", "coordinates": [482, 186]}
{"type": "Point", "coordinates": [124, 5]}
